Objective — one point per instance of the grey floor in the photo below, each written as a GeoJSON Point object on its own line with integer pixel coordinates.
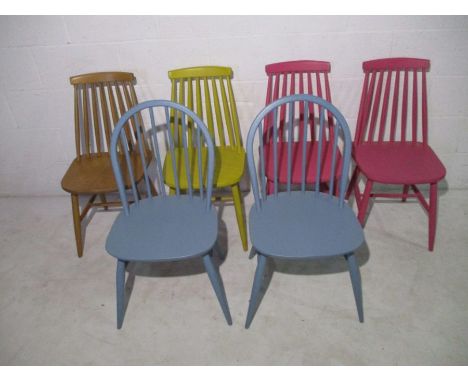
{"type": "Point", "coordinates": [58, 309]}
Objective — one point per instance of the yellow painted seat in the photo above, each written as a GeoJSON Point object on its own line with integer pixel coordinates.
{"type": "Point", "coordinates": [207, 90]}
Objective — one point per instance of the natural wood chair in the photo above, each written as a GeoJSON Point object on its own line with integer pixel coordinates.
{"type": "Point", "coordinates": [100, 100]}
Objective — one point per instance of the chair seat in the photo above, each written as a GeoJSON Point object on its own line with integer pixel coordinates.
{"type": "Point", "coordinates": [300, 225]}
{"type": "Point", "coordinates": [229, 167]}
{"type": "Point", "coordinates": [399, 162]}
{"type": "Point", "coordinates": [93, 174]}
{"type": "Point", "coordinates": [163, 229]}
{"type": "Point", "coordinates": [296, 162]}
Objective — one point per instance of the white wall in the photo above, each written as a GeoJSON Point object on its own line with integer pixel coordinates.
{"type": "Point", "coordinates": [38, 54]}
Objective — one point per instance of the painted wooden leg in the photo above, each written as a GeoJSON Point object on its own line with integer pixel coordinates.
{"type": "Point", "coordinates": [356, 282]}
{"type": "Point", "coordinates": [352, 183]}
{"type": "Point", "coordinates": [257, 284]}
{"type": "Point", "coordinates": [103, 200]}
{"type": "Point", "coordinates": [252, 253]}
{"type": "Point", "coordinates": [77, 223]}
{"type": "Point", "coordinates": [153, 189]}
{"type": "Point", "coordinates": [432, 215]}
{"type": "Point", "coordinates": [270, 187]}
{"type": "Point", "coordinates": [238, 205]}
{"type": "Point", "coordinates": [217, 286]}
{"type": "Point", "coordinates": [120, 284]}
{"type": "Point", "coordinates": [405, 192]}
{"type": "Point", "coordinates": [362, 207]}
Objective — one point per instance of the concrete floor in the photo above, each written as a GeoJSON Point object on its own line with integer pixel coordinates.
{"type": "Point", "coordinates": [58, 309]}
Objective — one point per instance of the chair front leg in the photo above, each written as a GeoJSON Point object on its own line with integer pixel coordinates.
{"type": "Point", "coordinates": [77, 223]}
{"type": "Point", "coordinates": [120, 288]}
{"type": "Point", "coordinates": [238, 206]}
{"type": "Point", "coordinates": [217, 284]}
{"type": "Point", "coordinates": [257, 284]}
{"type": "Point", "coordinates": [432, 215]}
{"type": "Point", "coordinates": [356, 282]}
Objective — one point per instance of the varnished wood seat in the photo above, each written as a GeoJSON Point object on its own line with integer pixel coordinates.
{"type": "Point", "coordinates": [93, 174]}
{"type": "Point", "coordinates": [100, 100]}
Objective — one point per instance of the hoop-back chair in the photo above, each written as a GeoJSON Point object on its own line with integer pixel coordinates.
{"type": "Point", "coordinates": [298, 77]}
{"type": "Point", "coordinates": [164, 228]}
{"type": "Point", "coordinates": [100, 100]}
{"type": "Point", "coordinates": [207, 90]}
{"type": "Point", "coordinates": [391, 141]}
{"type": "Point", "coordinates": [303, 224]}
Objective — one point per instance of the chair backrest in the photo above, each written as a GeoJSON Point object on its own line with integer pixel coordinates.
{"type": "Point", "coordinates": [297, 77]}
{"type": "Point", "coordinates": [393, 103]}
{"type": "Point", "coordinates": [293, 104]}
{"type": "Point", "coordinates": [100, 100]}
{"type": "Point", "coordinates": [129, 159]}
{"type": "Point", "coordinates": [207, 90]}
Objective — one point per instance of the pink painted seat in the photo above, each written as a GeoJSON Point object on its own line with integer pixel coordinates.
{"type": "Point", "coordinates": [387, 163]}
{"type": "Point", "coordinates": [296, 159]}
{"type": "Point", "coordinates": [289, 78]}
{"type": "Point", "coordinates": [391, 142]}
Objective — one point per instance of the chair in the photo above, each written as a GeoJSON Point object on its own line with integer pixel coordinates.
{"type": "Point", "coordinates": [163, 228]}
{"type": "Point", "coordinates": [100, 100]}
{"type": "Point", "coordinates": [391, 141]}
{"type": "Point", "coordinates": [303, 224]}
{"type": "Point", "coordinates": [298, 77]}
{"type": "Point", "coordinates": [207, 90]}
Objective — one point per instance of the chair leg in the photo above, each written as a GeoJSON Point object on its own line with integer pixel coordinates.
{"type": "Point", "coordinates": [364, 202]}
{"type": "Point", "coordinates": [257, 284]}
{"type": "Point", "coordinates": [120, 284]}
{"type": "Point", "coordinates": [238, 205]}
{"type": "Point", "coordinates": [356, 282]}
{"type": "Point", "coordinates": [352, 183]}
{"type": "Point", "coordinates": [103, 200]}
{"type": "Point", "coordinates": [252, 253]}
{"type": "Point", "coordinates": [153, 189]}
{"type": "Point", "coordinates": [270, 187]}
{"type": "Point", "coordinates": [405, 192]}
{"type": "Point", "coordinates": [432, 215]}
{"type": "Point", "coordinates": [217, 286]}
{"type": "Point", "coordinates": [77, 223]}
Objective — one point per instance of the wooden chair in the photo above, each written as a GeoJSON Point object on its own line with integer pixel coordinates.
{"type": "Point", "coordinates": [298, 77]}
{"type": "Point", "coordinates": [207, 90]}
{"type": "Point", "coordinates": [100, 100]}
{"type": "Point", "coordinates": [391, 141]}
{"type": "Point", "coordinates": [166, 228]}
{"type": "Point", "coordinates": [303, 224]}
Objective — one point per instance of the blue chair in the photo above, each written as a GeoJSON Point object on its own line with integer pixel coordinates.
{"type": "Point", "coordinates": [163, 228]}
{"type": "Point", "coordinates": [298, 222]}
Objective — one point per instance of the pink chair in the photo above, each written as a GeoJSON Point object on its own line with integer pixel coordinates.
{"type": "Point", "coordinates": [391, 143]}
{"type": "Point", "coordinates": [289, 78]}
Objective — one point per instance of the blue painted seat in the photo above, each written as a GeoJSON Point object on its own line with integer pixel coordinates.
{"type": "Point", "coordinates": [298, 222]}
{"type": "Point", "coordinates": [163, 227]}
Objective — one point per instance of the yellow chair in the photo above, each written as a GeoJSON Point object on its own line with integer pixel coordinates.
{"type": "Point", "coordinates": [207, 90]}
